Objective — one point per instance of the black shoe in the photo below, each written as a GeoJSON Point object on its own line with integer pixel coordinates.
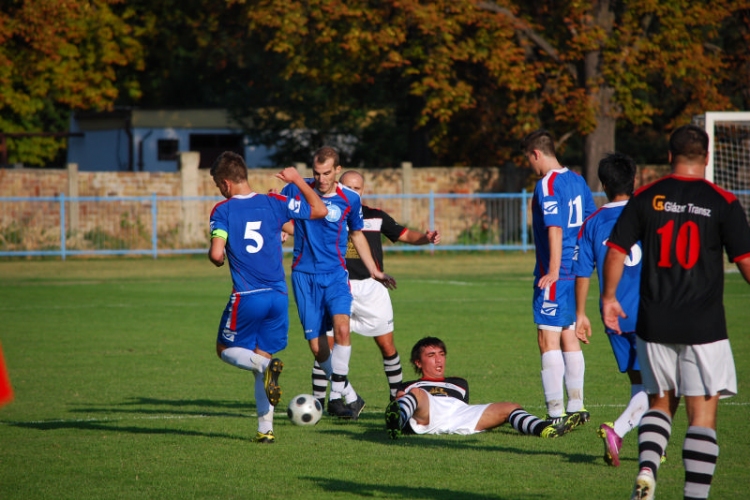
{"type": "Point", "coordinates": [337, 408]}
{"type": "Point", "coordinates": [356, 407]}
{"type": "Point", "coordinates": [393, 420]}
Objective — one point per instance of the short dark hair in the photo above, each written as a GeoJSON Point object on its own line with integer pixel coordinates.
{"type": "Point", "coordinates": [324, 154]}
{"type": "Point", "coordinates": [617, 174]}
{"type": "Point", "coordinates": [229, 166]}
{"type": "Point", "coordinates": [539, 139]}
{"type": "Point", "coordinates": [416, 351]}
{"type": "Point", "coordinates": [689, 142]}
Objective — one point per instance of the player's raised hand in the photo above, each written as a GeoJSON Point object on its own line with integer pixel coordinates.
{"type": "Point", "coordinates": [288, 175]}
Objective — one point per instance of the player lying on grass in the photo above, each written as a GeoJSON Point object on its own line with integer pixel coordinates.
{"type": "Point", "coordinates": [436, 404]}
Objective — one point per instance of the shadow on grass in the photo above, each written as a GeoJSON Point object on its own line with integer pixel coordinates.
{"type": "Point", "coordinates": [355, 489]}
{"type": "Point", "coordinates": [374, 432]}
{"type": "Point", "coordinates": [204, 406]}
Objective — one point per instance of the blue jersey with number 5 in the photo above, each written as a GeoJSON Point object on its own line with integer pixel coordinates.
{"type": "Point", "coordinates": [592, 250]}
{"type": "Point", "coordinates": [251, 225]}
{"type": "Point", "coordinates": [561, 199]}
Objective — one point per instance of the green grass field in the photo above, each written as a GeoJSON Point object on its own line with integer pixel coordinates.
{"type": "Point", "coordinates": [119, 393]}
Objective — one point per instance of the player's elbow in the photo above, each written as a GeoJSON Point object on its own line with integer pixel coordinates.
{"type": "Point", "coordinates": [318, 212]}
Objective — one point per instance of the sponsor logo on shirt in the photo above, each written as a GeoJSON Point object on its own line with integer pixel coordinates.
{"type": "Point", "coordinates": [549, 309]}
{"type": "Point", "coordinates": [549, 207]}
{"type": "Point", "coordinates": [661, 204]}
{"type": "Point", "coordinates": [334, 213]}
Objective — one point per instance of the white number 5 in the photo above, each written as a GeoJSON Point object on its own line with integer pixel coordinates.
{"type": "Point", "coordinates": [252, 234]}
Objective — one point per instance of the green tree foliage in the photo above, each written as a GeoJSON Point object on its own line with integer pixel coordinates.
{"type": "Point", "coordinates": [57, 56]}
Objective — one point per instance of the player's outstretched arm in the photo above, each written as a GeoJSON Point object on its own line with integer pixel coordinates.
{"type": "Point", "coordinates": [318, 209]}
{"type": "Point", "coordinates": [363, 249]}
{"type": "Point", "coordinates": [583, 325]}
{"type": "Point", "coordinates": [416, 238]}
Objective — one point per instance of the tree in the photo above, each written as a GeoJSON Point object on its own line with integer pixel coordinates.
{"type": "Point", "coordinates": [57, 56]}
{"type": "Point", "coordinates": [606, 61]}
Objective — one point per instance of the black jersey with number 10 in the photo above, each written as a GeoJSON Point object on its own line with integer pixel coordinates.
{"type": "Point", "coordinates": [684, 224]}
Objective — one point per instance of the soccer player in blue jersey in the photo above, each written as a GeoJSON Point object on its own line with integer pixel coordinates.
{"type": "Point", "coordinates": [684, 224]}
{"type": "Point", "coordinates": [255, 323]}
{"type": "Point", "coordinates": [320, 280]}
{"type": "Point", "coordinates": [561, 202]}
{"type": "Point", "coordinates": [617, 175]}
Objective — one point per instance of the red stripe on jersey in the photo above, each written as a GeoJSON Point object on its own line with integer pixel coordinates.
{"type": "Point", "coordinates": [549, 183]}
{"type": "Point", "coordinates": [340, 192]}
{"type": "Point", "coordinates": [277, 196]}
{"type": "Point", "coordinates": [217, 206]}
{"type": "Point", "coordinates": [583, 226]}
{"type": "Point", "coordinates": [741, 257]}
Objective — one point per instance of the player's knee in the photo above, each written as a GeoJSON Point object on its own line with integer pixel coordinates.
{"type": "Point", "coordinates": [219, 349]}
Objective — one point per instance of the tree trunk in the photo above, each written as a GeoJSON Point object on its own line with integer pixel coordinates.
{"type": "Point", "coordinates": [602, 140]}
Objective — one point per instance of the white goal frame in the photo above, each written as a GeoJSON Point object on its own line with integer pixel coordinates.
{"type": "Point", "coordinates": [711, 117]}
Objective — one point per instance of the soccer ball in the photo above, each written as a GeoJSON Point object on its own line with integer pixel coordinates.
{"type": "Point", "coordinates": [304, 409]}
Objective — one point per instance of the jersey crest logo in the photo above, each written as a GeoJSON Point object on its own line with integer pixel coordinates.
{"type": "Point", "coordinates": [334, 213]}
{"type": "Point", "coordinates": [549, 207]}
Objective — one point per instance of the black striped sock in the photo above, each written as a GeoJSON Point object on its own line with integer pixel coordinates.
{"type": "Point", "coordinates": [653, 436]}
{"type": "Point", "coordinates": [699, 454]}
{"type": "Point", "coordinates": [319, 383]}
{"type": "Point", "coordinates": [407, 405]}
{"type": "Point", "coordinates": [526, 423]}
{"type": "Point", "coordinates": [392, 368]}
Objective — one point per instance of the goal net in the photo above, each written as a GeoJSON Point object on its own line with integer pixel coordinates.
{"type": "Point", "coordinates": [729, 152]}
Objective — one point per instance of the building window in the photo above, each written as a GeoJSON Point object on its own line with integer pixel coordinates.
{"type": "Point", "coordinates": [210, 146]}
{"type": "Point", "coordinates": [167, 149]}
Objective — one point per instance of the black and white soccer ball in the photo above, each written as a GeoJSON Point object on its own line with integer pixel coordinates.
{"type": "Point", "coordinates": [304, 409]}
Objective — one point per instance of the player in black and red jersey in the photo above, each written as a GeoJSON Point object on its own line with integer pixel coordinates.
{"type": "Point", "coordinates": [684, 223]}
{"type": "Point", "coordinates": [436, 404]}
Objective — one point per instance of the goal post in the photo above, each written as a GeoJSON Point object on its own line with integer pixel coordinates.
{"type": "Point", "coordinates": [728, 149]}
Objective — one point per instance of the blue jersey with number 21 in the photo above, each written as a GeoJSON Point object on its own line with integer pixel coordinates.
{"type": "Point", "coordinates": [592, 250]}
{"type": "Point", "coordinates": [251, 225]}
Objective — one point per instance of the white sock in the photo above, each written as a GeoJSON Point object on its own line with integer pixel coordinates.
{"type": "Point", "coordinates": [340, 357]}
{"type": "Point", "coordinates": [245, 359]}
{"type": "Point", "coordinates": [631, 417]}
{"type": "Point", "coordinates": [263, 406]}
{"type": "Point", "coordinates": [553, 370]}
{"type": "Point", "coordinates": [574, 369]}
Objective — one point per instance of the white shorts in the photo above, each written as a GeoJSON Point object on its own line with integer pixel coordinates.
{"type": "Point", "coordinates": [372, 312]}
{"type": "Point", "coordinates": [691, 370]}
{"type": "Point", "coordinates": [450, 416]}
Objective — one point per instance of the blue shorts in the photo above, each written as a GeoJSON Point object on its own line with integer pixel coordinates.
{"type": "Point", "coordinates": [257, 319]}
{"type": "Point", "coordinates": [320, 297]}
{"type": "Point", "coordinates": [623, 346]}
{"type": "Point", "coordinates": [556, 305]}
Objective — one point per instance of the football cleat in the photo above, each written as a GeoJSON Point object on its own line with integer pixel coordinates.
{"type": "Point", "coordinates": [393, 420]}
{"type": "Point", "coordinates": [645, 484]}
{"type": "Point", "coordinates": [356, 407]}
{"type": "Point", "coordinates": [560, 426]}
{"type": "Point", "coordinates": [271, 381]}
{"type": "Point", "coordinates": [584, 416]}
{"type": "Point", "coordinates": [337, 408]}
{"type": "Point", "coordinates": [267, 438]}
{"type": "Point", "coordinates": [612, 444]}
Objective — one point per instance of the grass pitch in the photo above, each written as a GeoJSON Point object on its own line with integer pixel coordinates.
{"type": "Point", "coordinates": [119, 393]}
